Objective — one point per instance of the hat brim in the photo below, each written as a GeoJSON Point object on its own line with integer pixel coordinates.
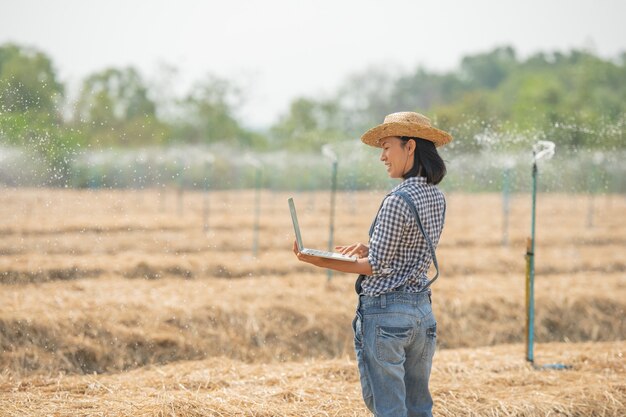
{"type": "Point", "coordinates": [373, 136]}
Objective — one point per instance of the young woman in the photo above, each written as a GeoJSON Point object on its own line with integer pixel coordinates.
{"type": "Point", "coordinates": [394, 327]}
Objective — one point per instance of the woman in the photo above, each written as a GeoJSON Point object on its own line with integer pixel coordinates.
{"type": "Point", "coordinates": [394, 327]}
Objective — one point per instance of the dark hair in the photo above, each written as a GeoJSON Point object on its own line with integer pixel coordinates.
{"type": "Point", "coordinates": [427, 162]}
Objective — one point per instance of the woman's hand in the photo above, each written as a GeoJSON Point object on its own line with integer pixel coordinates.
{"type": "Point", "coordinates": [361, 266]}
{"type": "Point", "coordinates": [357, 249]}
{"type": "Point", "coordinates": [313, 260]}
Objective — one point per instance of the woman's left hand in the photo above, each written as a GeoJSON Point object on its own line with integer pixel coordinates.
{"type": "Point", "coordinates": [361, 266]}
{"type": "Point", "coordinates": [313, 260]}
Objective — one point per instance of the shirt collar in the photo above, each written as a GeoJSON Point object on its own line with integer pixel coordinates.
{"type": "Point", "coordinates": [411, 181]}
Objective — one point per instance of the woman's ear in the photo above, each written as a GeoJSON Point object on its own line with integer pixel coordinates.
{"type": "Point", "coordinates": [411, 145]}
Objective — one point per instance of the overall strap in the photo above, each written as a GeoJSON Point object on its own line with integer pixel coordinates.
{"type": "Point", "coordinates": [376, 218]}
{"type": "Point", "coordinates": [360, 278]}
{"type": "Point", "coordinates": [408, 200]}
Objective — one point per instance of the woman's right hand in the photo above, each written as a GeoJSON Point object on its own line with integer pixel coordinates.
{"type": "Point", "coordinates": [356, 249]}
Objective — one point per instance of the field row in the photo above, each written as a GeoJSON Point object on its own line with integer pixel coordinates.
{"type": "Point", "coordinates": [108, 281]}
{"type": "Point", "coordinates": [465, 383]}
{"type": "Point", "coordinates": [470, 217]}
{"type": "Point", "coordinates": [63, 234]}
{"type": "Point", "coordinates": [113, 324]}
{"type": "Point", "coordinates": [191, 263]}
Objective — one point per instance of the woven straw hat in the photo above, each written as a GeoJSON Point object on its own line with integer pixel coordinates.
{"type": "Point", "coordinates": [406, 123]}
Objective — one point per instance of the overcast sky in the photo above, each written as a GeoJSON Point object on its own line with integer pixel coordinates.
{"type": "Point", "coordinates": [280, 49]}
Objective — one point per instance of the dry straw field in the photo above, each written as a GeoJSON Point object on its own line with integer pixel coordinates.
{"type": "Point", "coordinates": [120, 303]}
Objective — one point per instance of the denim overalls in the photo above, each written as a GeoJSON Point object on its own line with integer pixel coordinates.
{"type": "Point", "coordinates": [394, 338]}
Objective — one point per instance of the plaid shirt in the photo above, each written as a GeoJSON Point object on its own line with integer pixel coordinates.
{"type": "Point", "coordinates": [398, 252]}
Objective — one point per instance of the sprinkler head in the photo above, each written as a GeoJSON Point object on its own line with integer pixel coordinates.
{"type": "Point", "coordinates": [543, 149]}
{"type": "Point", "coordinates": [328, 152]}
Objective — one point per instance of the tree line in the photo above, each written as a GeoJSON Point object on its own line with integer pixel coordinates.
{"type": "Point", "coordinates": [575, 98]}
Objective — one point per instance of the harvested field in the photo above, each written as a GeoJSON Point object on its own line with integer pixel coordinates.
{"type": "Point", "coordinates": [465, 382]}
{"type": "Point", "coordinates": [123, 303]}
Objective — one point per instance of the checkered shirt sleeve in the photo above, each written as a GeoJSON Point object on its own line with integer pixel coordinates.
{"type": "Point", "coordinates": [398, 252]}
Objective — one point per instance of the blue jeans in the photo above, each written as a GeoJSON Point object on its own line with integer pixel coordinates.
{"type": "Point", "coordinates": [394, 338]}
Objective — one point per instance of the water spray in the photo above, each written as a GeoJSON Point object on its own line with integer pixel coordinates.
{"type": "Point", "coordinates": [328, 152]}
{"type": "Point", "coordinates": [250, 160]}
{"type": "Point", "coordinates": [541, 150]}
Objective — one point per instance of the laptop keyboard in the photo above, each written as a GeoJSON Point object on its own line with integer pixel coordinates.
{"type": "Point", "coordinates": [317, 252]}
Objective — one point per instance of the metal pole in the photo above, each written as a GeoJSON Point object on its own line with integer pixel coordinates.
{"type": "Point", "coordinates": [331, 233]}
{"type": "Point", "coordinates": [257, 214]}
{"type": "Point", "coordinates": [162, 197]}
{"type": "Point", "coordinates": [543, 149]}
{"type": "Point", "coordinates": [597, 159]}
{"type": "Point", "coordinates": [180, 184]}
{"type": "Point", "coordinates": [528, 326]}
{"type": "Point", "coordinates": [205, 201]}
{"type": "Point", "coordinates": [249, 159]}
{"type": "Point", "coordinates": [590, 210]}
{"type": "Point", "coordinates": [328, 152]}
{"type": "Point", "coordinates": [531, 275]}
{"type": "Point", "coordinates": [505, 207]}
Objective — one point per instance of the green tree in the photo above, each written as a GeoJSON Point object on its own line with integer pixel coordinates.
{"type": "Point", "coordinates": [422, 90]}
{"type": "Point", "coordinates": [30, 98]}
{"type": "Point", "coordinates": [28, 81]}
{"type": "Point", "coordinates": [114, 109]}
{"type": "Point", "coordinates": [208, 114]}
{"type": "Point", "coordinates": [309, 124]}
{"type": "Point", "coordinates": [488, 70]}
{"type": "Point", "coordinates": [364, 99]}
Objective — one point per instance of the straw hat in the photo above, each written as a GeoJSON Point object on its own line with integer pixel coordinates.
{"type": "Point", "coordinates": [406, 123]}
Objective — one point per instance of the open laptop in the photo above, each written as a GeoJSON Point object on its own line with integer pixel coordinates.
{"type": "Point", "coordinates": [314, 252]}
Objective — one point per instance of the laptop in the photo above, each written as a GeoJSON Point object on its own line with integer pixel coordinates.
{"type": "Point", "coordinates": [314, 252]}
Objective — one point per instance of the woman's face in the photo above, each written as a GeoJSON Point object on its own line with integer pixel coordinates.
{"type": "Point", "coordinates": [397, 158]}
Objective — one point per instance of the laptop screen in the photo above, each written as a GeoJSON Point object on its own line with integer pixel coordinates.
{"type": "Point", "coordinates": [296, 227]}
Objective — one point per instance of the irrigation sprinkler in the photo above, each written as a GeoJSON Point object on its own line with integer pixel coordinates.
{"type": "Point", "coordinates": [330, 154]}
{"type": "Point", "coordinates": [541, 150]}
{"type": "Point", "coordinates": [208, 162]}
{"type": "Point", "coordinates": [257, 202]}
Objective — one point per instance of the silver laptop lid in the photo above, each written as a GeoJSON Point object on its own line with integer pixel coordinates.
{"type": "Point", "coordinates": [296, 227]}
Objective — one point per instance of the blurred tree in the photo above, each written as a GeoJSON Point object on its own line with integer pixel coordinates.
{"type": "Point", "coordinates": [27, 81]}
{"type": "Point", "coordinates": [309, 124]}
{"type": "Point", "coordinates": [114, 108]}
{"type": "Point", "coordinates": [490, 69]}
{"type": "Point", "coordinates": [208, 114]}
{"type": "Point", "coordinates": [30, 98]}
{"type": "Point", "coordinates": [364, 99]}
{"type": "Point", "coordinates": [575, 99]}
{"type": "Point", "coordinates": [421, 90]}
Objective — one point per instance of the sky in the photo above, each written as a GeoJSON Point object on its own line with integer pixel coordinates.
{"type": "Point", "coordinates": [278, 50]}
